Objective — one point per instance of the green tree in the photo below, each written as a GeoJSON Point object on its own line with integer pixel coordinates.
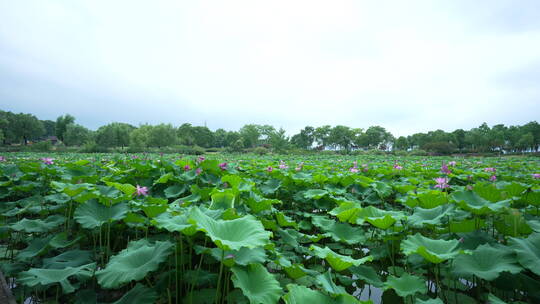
{"type": "Point", "coordinates": [250, 135]}
{"type": "Point", "coordinates": [50, 127]}
{"type": "Point", "coordinates": [115, 134]}
{"type": "Point", "coordinates": [304, 139]}
{"type": "Point", "coordinates": [377, 137]}
{"type": "Point", "coordinates": [76, 135]}
{"type": "Point", "coordinates": [185, 134]}
{"type": "Point", "coordinates": [321, 136]}
{"type": "Point", "coordinates": [27, 127]}
{"type": "Point", "coordinates": [162, 135]}
{"type": "Point", "coordinates": [203, 136]}
{"type": "Point", "coordinates": [341, 137]}
{"type": "Point", "coordinates": [139, 137]}
{"type": "Point", "coordinates": [278, 141]}
{"type": "Point", "coordinates": [401, 143]}
{"type": "Point", "coordinates": [61, 125]}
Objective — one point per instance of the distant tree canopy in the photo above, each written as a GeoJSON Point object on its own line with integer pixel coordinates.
{"type": "Point", "coordinates": [22, 128]}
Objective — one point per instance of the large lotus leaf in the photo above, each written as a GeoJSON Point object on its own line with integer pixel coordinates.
{"type": "Point", "coordinates": [327, 284]}
{"type": "Point", "coordinates": [435, 251]}
{"type": "Point", "coordinates": [406, 285]}
{"type": "Point", "coordinates": [223, 200]}
{"type": "Point", "coordinates": [153, 206]}
{"type": "Point", "coordinates": [431, 216]}
{"type": "Point", "coordinates": [174, 223]}
{"type": "Point", "coordinates": [258, 205]}
{"type": "Point", "coordinates": [486, 262]}
{"type": "Point", "coordinates": [429, 199]}
{"type": "Point", "coordinates": [514, 189]}
{"type": "Point", "coordinates": [39, 276]}
{"type": "Point", "coordinates": [246, 231]}
{"type": "Point", "coordinates": [532, 197]}
{"type": "Point", "coordinates": [72, 258]}
{"type": "Point", "coordinates": [270, 186]}
{"type": "Point", "coordinates": [296, 271]}
{"type": "Point", "coordinates": [257, 284]}
{"type": "Point", "coordinates": [470, 201]}
{"type": "Point", "coordinates": [528, 251]}
{"type": "Point", "coordinates": [428, 301]}
{"type": "Point", "coordinates": [488, 191]}
{"type": "Point", "coordinates": [175, 191]}
{"type": "Point", "coordinates": [382, 189]}
{"type": "Point", "coordinates": [341, 232]}
{"type": "Point", "coordinates": [347, 212]}
{"type": "Point", "coordinates": [467, 225]}
{"type": "Point", "coordinates": [36, 247]}
{"type": "Point", "coordinates": [285, 221]}
{"type": "Point", "coordinates": [71, 189]}
{"type": "Point", "coordinates": [337, 261]}
{"type": "Point", "coordinates": [513, 224]}
{"type": "Point", "coordinates": [133, 263]}
{"type": "Point", "coordinates": [300, 294]}
{"type": "Point", "coordinates": [93, 214]}
{"type": "Point", "coordinates": [367, 274]}
{"type": "Point", "coordinates": [315, 193]}
{"type": "Point", "coordinates": [377, 217]}
{"type": "Point", "coordinates": [139, 294]}
{"type": "Point", "coordinates": [244, 256]}
{"type": "Point", "coordinates": [127, 189]}
{"type": "Point", "coordinates": [38, 225]}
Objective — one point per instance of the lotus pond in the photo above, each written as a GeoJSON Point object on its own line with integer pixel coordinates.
{"type": "Point", "coordinates": [79, 228]}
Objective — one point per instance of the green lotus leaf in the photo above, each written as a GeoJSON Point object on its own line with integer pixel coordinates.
{"type": "Point", "coordinates": [154, 206]}
{"type": "Point", "coordinates": [341, 232]}
{"type": "Point", "coordinates": [367, 274]}
{"type": "Point", "coordinates": [127, 189]}
{"type": "Point", "coordinates": [486, 262]}
{"type": "Point", "coordinates": [406, 285]}
{"type": "Point", "coordinates": [223, 200]}
{"type": "Point", "coordinates": [300, 294]}
{"type": "Point", "coordinates": [466, 225]}
{"type": "Point", "coordinates": [93, 214]}
{"type": "Point", "coordinates": [133, 263]}
{"type": "Point", "coordinates": [327, 284]}
{"type": "Point", "coordinates": [532, 197]}
{"type": "Point", "coordinates": [296, 271]}
{"type": "Point", "coordinates": [492, 299]}
{"type": "Point", "coordinates": [435, 251]}
{"type": "Point", "coordinates": [513, 224]}
{"type": "Point", "coordinates": [337, 261]}
{"type": "Point", "coordinates": [175, 191]}
{"type": "Point", "coordinates": [39, 276]}
{"type": "Point", "coordinates": [470, 201]}
{"type": "Point", "coordinates": [285, 221]}
{"type": "Point", "coordinates": [38, 225]}
{"type": "Point", "coordinates": [431, 216]}
{"type": "Point", "coordinates": [257, 284]}
{"type": "Point", "coordinates": [347, 212]}
{"type": "Point", "coordinates": [139, 294]}
{"type": "Point", "coordinates": [72, 258]}
{"type": "Point", "coordinates": [37, 246]}
{"type": "Point", "coordinates": [257, 206]}
{"type": "Point", "coordinates": [428, 301]}
{"type": "Point", "coordinates": [315, 193]}
{"type": "Point", "coordinates": [382, 189]}
{"type": "Point", "coordinates": [528, 251]}
{"type": "Point", "coordinates": [270, 186]}
{"type": "Point", "coordinates": [535, 225]}
{"type": "Point", "coordinates": [244, 256]}
{"type": "Point", "coordinates": [172, 223]}
{"type": "Point", "coordinates": [246, 231]}
{"type": "Point", "coordinates": [377, 217]}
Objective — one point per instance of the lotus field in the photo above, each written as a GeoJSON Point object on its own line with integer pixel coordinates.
{"type": "Point", "coordinates": [90, 228]}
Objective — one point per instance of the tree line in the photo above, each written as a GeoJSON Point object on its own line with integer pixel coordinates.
{"type": "Point", "coordinates": [24, 128]}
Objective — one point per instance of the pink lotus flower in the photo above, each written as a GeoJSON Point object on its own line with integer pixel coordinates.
{"type": "Point", "coordinates": [283, 165]}
{"type": "Point", "coordinates": [223, 166]}
{"type": "Point", "coordinates": [48, 160]}
{"type": "Point", "coordinates": [2, 159]}
{"type": "Point", "coordinates": [490, 169]}
{"type": "Point", "coordinates": [493, 178]}
{"type": "Point", "coordinates": [353, 170]}
{"type": "Point", "coordinates": [444, 169]}
{"type": "Point", "coordinates": [200, 159]}
{"type": "Point", "coordinates": [469, 187]}
{"type": "Point", "coordinates": [134, 157]}
{"type": "Point", "coordinates": [442, 182]}
{"type": "Point", "coordinates": [398, 167]}
{"type": "Point", "coordinates": [536, 175]}
{"type": "Point", "coordinates": [269, 169]}
{"type": "Point", "coordinates": [187, 168]}
{"type": "Point", "coordinates": [141, 191]}
{"type": "Point", "coordinates": [452, 163]}
{"type": "Point", "coordinates": [198, 171]}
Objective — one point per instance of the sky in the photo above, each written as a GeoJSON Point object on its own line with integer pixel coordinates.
{"type": "Point", "coordinates": [409, 66]}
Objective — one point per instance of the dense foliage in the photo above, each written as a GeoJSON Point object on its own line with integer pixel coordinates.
{"type": "Point", "coordinates": [20, 128]}
{"type": "Point", "coordinates": [103, 228]}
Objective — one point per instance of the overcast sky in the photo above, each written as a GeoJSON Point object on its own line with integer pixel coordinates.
{"type": "Point", "coordinates": [409, 66]}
